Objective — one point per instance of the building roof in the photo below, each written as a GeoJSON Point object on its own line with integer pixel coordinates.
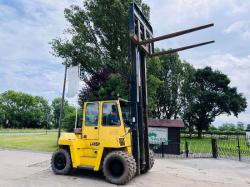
{"type": "Point", "coordinates": [177, 123]}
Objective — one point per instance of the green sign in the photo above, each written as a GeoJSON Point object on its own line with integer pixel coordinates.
{"type": "Point", "coordinates": [158, 135]}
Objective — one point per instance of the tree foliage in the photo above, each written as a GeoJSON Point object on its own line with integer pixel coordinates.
{"type": "Point", "coordinates": [2, 116]}
{"type": "Point", "coordinates": [56, 106]}
{"type": "Point", "coordinates": [68, 122]}
{"type": "Point", "coordinates": [20, 110]}
{"type": "Point", "coordinates": [99, 36]}
{"type": "Point", "coordinates": [169, 80]}
{"type": "Point", "coordinates": [212, 128]}
{"type": "Point", "coordinates": [248, 127]}
{"type": "Point", "coordinates": [100, 44]}
{"type": "Point", "coordinates": [230, 127]}
{"type": "Point", "coordinates": [211, 97]}
{"type": "Point", "coordinates": [240, 127]}
{"type": "Point", "coordinates": [227, 127]}
{"type": "Point", "coordinates": [107, 84]}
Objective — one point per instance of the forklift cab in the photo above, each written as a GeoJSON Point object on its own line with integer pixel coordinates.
{"type": "Point", "coordinates": [106, 121]}
{"type": "Point", "coordinates": [104, 130]}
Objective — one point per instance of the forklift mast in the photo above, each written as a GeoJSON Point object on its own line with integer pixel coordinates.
{"type": "Point", "coordinates": [140, 29]}
{"type": "Point", "coordinates": [142, 46]}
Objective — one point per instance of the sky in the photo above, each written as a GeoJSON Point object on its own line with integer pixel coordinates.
{"type": "Point", "coordinates": [27, 27]}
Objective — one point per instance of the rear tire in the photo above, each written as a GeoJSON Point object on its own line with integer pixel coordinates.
{"type": "Point", "coordinates": [61, 162]}
{"type": "Point", "coordinates": [119, 167]}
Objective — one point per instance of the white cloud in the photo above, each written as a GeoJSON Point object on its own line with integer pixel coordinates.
{"type": "Point", "coordinates": [236, 67]}
{"type": "Point", "coordinates": [239, 7]}
{"type": "Point", "coordinates": [34, 78]}
{"type": "Point", "coordinates": [240, 27]}
{"type": "Point", "coordinates": [25, 32]}
{"type": "Point", "coordinates": [172, 14]}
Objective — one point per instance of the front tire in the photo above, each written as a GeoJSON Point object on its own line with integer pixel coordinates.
{"type": "Point", "coordinates": [61, 162]}
{"type": "Point", "coordinates": [151, 162]}
{"type": "Point", "coordinates": [151, 158]}
{"type": "Point", "coordinates": [119, 167]}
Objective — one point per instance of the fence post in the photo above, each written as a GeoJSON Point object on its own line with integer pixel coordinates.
{"type": "Point", "coordinates": [162, 149]}
{"type": "Point", "coordinates": [186, 149]}
{"type": "Point", "coordinates": [214, 148]}
{"type": "Point", "coordinates": [239, 151]}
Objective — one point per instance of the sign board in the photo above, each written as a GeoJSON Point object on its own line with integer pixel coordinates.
{"type": "Point", "coordinates": [158, 135]}
{"type": "Point", "coordinates": [73, 81]}
{"type": "Point", "coordinates": [248, 137]}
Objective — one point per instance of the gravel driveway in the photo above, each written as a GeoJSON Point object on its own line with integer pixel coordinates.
{"type": "Point", "coordinates": [24, 169]}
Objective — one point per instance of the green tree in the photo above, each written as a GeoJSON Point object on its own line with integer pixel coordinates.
{"type": "Point", "coordinates": [168, 94]}
{"type": "Point", "coordinates": [69, 120]}
{"type": "Point", "coordinates": [169, 82]}
{"type": "Point", "coordinates": [45, 109]}
{"type": "Point", "coordinates": [22, 110]}
{"type": "Point", "coordinates": [99, 36]}
{"type": "Point", "coordinates": [104, 85]}
{"type": "Point", "coordinates": [212, 96]}
{"type": "Point", "coordinates": [56, 106]}
{"type": "Point", "coordinates": [2, 117]}
{"type": "Point", "coordinates": [227, 127]}
{"type": "Point", "coordinates": [187, 95]}
{"type": "Point", "coordinates": [114, 86]}
{"type": "Point", "coordinates": [248, 127]}
{"type": "Point", "coordinates": [99, 41]}
{"type": "Point", "coordinates": [212, 128]}
{"type": "Point", "coordinates": [154, 68]}
{"type": "Point", "coordinates": [240, 126]}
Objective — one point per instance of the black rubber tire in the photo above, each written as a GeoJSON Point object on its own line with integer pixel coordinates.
{"type": "Point", "coordinates": [151, 162]}
{"type": "Point", "coordinates": [61, 162]}
{"type": "Point", "coordinates": [151, 158]}
{"type": "Point", "coordinates": [119, 167]}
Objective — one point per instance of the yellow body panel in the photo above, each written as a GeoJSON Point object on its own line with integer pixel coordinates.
{"type": "Point", "coordinates": [88, 149]}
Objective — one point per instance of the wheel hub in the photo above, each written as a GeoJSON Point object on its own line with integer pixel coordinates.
{"type": "Point", "coordinates": [116, 168]}
{"type": "Point", "coordinates": [60, 162]}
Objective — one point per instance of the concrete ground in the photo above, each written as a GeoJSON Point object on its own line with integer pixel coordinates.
{"type": "Point", "coordinates": [24, 169]}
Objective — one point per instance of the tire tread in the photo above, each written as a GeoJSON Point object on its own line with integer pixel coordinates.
{"type": "Point", "coordinates": [131, 167]}
{"type": "Point", "coordinates": [68, 166]}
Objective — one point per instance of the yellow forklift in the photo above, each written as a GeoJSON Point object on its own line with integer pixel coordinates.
{"type": "Point", "coordinates": [114, 133]}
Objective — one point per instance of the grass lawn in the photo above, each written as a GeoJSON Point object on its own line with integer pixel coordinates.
{"type": "Point", "coordinates": [48, 143]}
{"type": "Point", "coordinates": [45, 143]}
{"type": "Point", "coordinates": [197, 145]}
{"type": "Point", "coordinates": [227, 147]}
{"type": "Point", "coordinates": [25, 130]}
